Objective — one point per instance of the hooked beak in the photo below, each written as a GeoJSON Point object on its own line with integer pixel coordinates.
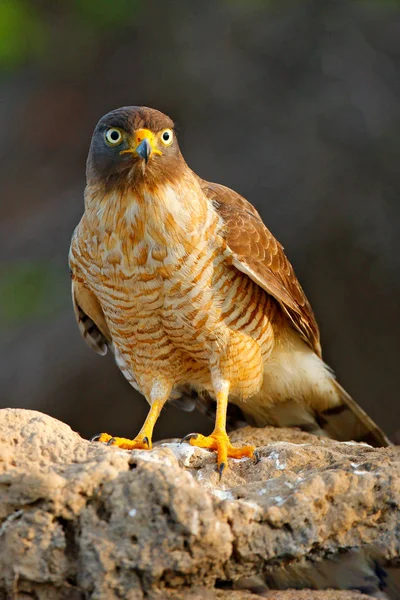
{"type": "Point", "coordinates": [144, 146]}
{"type": "Point", "coordinates": [144, 150]}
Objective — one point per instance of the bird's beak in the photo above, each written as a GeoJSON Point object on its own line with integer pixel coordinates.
{"type": "Point", "coordinates": [144, 146]}
{"type": "Point", "coordinates": [144, 150]}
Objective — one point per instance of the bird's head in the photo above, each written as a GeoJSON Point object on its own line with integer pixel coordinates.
{"type": "Point", "coordinates": [133, 144]}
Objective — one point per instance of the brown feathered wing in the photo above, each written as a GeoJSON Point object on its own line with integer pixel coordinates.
{"type": "Point", "coordinates": [259, 255]}
{"type": "Point", "coordinates": [90, 318]}
{"type": "Point", "coordinates": [255, 252]}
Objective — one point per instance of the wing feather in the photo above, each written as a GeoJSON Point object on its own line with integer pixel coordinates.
{"type": "Point", "coordinates": [90, 318]}
{"type": "Point", "coordinates": [256, 252]}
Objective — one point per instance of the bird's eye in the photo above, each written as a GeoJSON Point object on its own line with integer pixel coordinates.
{"type": "Point", "coordinates": [167, 137]}
{"type": "Point", "coordinates": [113, 136]}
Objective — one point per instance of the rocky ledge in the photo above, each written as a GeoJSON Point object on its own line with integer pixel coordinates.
{"type": "Point", "coordinates": [82, 520]}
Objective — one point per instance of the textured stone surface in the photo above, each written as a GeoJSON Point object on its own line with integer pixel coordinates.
{"type": "Point", "coordinates": [315, 595]}
{"type": "Point", "coordinates": [85, 520]}
{"type": "Point", "coordinates": [204, 594]}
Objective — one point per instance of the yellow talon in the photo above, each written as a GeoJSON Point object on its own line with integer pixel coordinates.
{"type": "Point", "coordinates": [219, 441]}
{"type": "Point", "coordinates": [139, 443]}
{"type": "Point", "coordinates": [143, 440]}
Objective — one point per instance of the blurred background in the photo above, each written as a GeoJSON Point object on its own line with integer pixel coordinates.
{"type": "Point", "coordinates": [294, 104]}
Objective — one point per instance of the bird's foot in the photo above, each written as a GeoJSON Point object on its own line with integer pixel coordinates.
{"type": "Point", "coordinates": [220, 442]}
{"type": "Point", "coordinates": [139, 443]}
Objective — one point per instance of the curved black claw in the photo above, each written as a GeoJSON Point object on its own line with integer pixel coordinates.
{"type": "Point", "coordinates": [221, 469]}
{"type": "Point", "coordinates": [146, 441]}
{"type": "Point", "coordinates": [257, 457]}
{"type": "Point", "coordinates": [111, 441]}
{"type": "Point", "coordinates": [189, 436]}
{"type": "Point", "coordinates": [95, 437]}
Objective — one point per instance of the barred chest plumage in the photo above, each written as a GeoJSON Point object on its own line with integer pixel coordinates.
{"type": "Point", "coordinates": [182, 280]}
{"type": "Point", "coordinates": [172, 303]}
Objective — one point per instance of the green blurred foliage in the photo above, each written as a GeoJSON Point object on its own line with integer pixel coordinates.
{"type": "Point", "coordinates": [100, 14]}
{"type": "Point", "coordinates": [21, 33]}
{"type": "Point", "coordinates": [26, 26]}
{"type": "Point", "coordinates": [31, 291]}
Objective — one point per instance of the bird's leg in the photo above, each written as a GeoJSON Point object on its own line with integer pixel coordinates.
{"type": "Point", "coordinates": [143, 440]}
{"type": "Point", "coordinates": [219, 440]}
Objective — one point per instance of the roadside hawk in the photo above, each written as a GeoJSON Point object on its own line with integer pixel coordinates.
{"type": "Point", "coordinates": [183, 282]}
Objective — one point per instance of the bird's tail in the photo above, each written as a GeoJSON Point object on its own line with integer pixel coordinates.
{"type": "Point", "coordinates": [348, 421]}
{"type": "Point", "coordinates": [299, 390]}
{"type": "Point", "coordinates": [342, 419]}
{"type": "Point", "coordinates": [345, 421]}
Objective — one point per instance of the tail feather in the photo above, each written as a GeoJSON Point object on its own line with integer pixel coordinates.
{"type": "Point", "coordinates": [319, 405]}
{"type": "Point", "coordinates": [344, 420]}
{"type": "Point", "coordinates": [300, 390]}
{"type": "Point", "coordinates": [348, 421]}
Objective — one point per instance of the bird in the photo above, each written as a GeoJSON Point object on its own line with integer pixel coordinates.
{"type": "Point", "coordinates": [182, 281]}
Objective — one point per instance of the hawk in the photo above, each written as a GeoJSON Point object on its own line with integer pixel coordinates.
{"type": "Point", "coordinates": [183, 282]}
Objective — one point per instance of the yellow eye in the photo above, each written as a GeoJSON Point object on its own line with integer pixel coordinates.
{"type": "Point", "coordinates": [113, 136]}
{"type": "Point", "coordinates": [167, 136]}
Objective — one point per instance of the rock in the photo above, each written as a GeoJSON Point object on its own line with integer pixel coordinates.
{"type": "Point", "coordinates": [207, 594]}
{"type": "Point", "coordinates": [84, 520]}
{"type": "Point", "coordinates": [313, 595]}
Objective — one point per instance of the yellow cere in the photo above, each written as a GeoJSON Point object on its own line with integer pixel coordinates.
{"type": "Point", "coordinates": [140, 135]}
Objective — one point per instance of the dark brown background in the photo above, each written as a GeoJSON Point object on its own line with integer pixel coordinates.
{"type": "Point", "coordinates": [296, 105]}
